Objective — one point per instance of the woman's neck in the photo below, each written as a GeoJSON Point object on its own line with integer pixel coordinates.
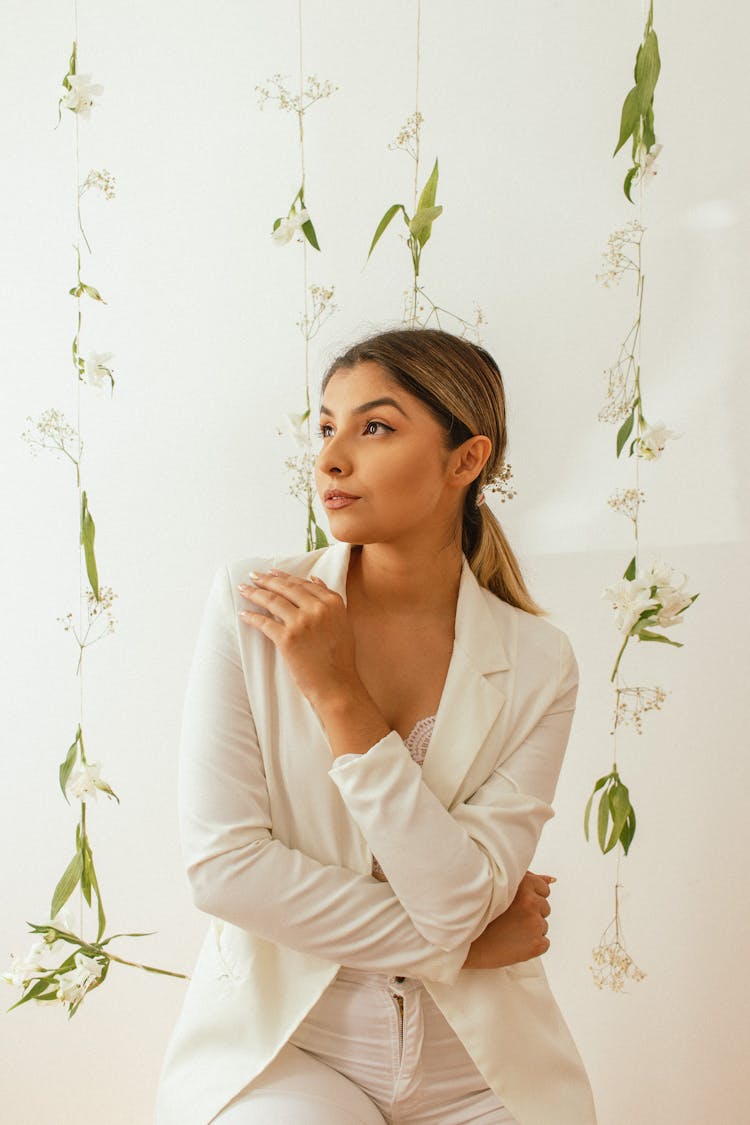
{"type": "Point", "coordinates": [383, 580]}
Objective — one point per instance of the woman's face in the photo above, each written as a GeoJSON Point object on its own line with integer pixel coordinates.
{"type": "Point", "coordinates": [389, 455]}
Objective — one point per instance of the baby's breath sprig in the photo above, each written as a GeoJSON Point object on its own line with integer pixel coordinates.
{"type": "Point", "coordinates": [627, 501]}
{"type": "Point", "coordinates": [501, 483]}
{"type": "Point", "coordinates": [612, 964]}
{"type": "Point", "coordinates": [631, 703]}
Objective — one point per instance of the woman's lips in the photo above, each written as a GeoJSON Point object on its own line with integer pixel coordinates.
{"type": "Point", "coordinates": [340, 501]}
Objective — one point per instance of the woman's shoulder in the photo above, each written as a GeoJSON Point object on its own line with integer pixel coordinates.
{"type": "Point", "coordinates": [535, 635]}
{"type": "Point", "coordinates": [239, 568]}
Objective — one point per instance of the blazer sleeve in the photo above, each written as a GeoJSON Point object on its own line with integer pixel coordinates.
{"type": "Point", "coordinates": [237, 870]}
{"type": "Point", "coordinates": [457, 870]}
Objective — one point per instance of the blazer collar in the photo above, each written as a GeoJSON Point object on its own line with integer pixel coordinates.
{"type": "Point", "coordinates": [471, 699]}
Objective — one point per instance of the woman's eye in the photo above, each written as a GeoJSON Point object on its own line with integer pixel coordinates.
{"type": "Point", "coordinates": [326, 426]}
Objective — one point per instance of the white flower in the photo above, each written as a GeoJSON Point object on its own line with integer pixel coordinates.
{"type": "Point", "coordinates": [286, 229]}
{"type": "Point", "coordinates": [97, 372]}
{"type": "Point", "coordinates": [629, 599]}
{"type": "Point", "coordinates": [81, 98]}
{"type": "Point", "coordinates": [23, 969]}
{"type": "Point", "coordinates": [73, 985]}
{"type": "Point", "coordinates": [648, 161]}
{"type": "Point", "coordinates": [297, 431]}
{"type": "Point", "coordinates": [651, 443]}
{"type": "Point", "coordinates": [85, 780]}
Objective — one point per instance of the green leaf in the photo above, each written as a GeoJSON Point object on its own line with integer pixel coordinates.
{"type": "Point", "coordinates": [421, 225]}
{"type": "Point", "coordinates": [619, 807]}
{"type": "Point", "coordinates": [95, 885]}
{"type": "Point", "coordinates": [88, 531]}
{"type": "Point", "coordinates": [624, 431]}
{"type": "Point", "coordinates": [629, 118]}
{"type": "Point", "coordinates": [644, 635]}
{"type": "Point", "coordinates": [86, 875]}
{"type": "Point", "coordinates": [92, 292]}
{"type": "Point", "coordinates": [630, 571]}
{"type": "Point", "coordinates": [67, 765]}
{"type": "Point", "coordinates": [309, 232]}
{"type": "Point", "coordinates": [626, 188]}
{"type": "Point", "coordinates": [603, 819]}
{"type": "Point", "coordinates": [429, 191]}
{"type": "Point", "coordinates": [647, 67]}
{"type": "Point", "coordinates": [384, 223]}
{"type": "Point", "coordinates": [602, 781]}
{"type": "Point", "coordinates": [320, 538]}
{"type": "Point", "coordinates": [628, 832]}
{"type": "Point", "coordinates": [68, 883]}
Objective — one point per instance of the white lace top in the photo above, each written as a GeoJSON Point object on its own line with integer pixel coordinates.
{"type": "Point", "coordinates": [417, 741]}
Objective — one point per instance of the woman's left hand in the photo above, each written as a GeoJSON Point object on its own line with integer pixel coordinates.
{"type": "Point", "coordinates": [309, 627]}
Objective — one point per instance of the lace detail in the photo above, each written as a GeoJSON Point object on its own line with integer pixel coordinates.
{"type": "Point", "coordinates": [417, 741]}
{"type": "Point", "coordinates": [418, 738]}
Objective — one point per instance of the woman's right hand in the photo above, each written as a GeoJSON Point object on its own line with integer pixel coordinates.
{"type": "Point", "coordinates": [520, 933]}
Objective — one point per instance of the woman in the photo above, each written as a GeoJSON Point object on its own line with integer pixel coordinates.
{"type": "Point", "coordinates": [374, 949]}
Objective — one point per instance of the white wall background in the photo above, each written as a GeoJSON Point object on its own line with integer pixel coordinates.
{"type": "Point", "coordinates": [184, 467]}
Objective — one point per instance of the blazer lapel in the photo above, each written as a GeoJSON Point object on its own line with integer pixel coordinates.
{"type": "Point", "coordinates": [471, 701]}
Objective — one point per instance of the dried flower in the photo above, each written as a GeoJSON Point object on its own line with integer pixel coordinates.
{"type": "Point", "coordinates": [323, 308]}
{"type": "Point", "coordinates": [408, 133]}
{"type": "Point", "coordinates": [103, 181]}
{"type": "Point", "coordinates": [53, 433]}
{"type": "Point", "coordinates": [613, 965]}
{"type": "Point", "coordinates": [627, 501]}
{"type": "Point", "coordinates": [631, 703]}
{"type": "Point", "coordinates": [616, 257]}
{"type": "Point", "coordinates": [312, 92]}
{"type": "Point", "coordinates": [302, 468]}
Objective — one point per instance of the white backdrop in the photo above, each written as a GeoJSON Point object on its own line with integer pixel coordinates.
{"type": "Point", "coordinates": [184, 467]}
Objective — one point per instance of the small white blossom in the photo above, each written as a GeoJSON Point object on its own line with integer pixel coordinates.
{"type": "Point", "coordinates": [80, 98]}
{"type": "Point", "coordinates": [287, 228]}
{"type": "Point", "coordinates": [651, 443]}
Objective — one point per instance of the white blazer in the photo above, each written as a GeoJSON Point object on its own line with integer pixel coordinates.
{"type": "Point", "coordinates": [278, 847]}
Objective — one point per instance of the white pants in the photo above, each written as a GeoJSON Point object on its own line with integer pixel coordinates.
{"type": "Point", "coordinates": [374, 1048]}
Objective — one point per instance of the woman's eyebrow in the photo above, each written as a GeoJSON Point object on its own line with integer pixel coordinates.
{"type": "Point", "coordinates": [368, 406]}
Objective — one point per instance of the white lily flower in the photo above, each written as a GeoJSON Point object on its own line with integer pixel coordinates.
{"type": "Point", "coordinates": [629, 599]}
{"type": "Point", "coordinates": [81, 97]}
{"type": "Point", "coordinates": [23, 969]}
{"type": "Point", "coordinates": [650, 445]}
{"type": "Point", "coordinates": [287, 228]}
{"type": "Point", "coordinates": [297, 431]}
{"type": "Point", "coordinates": [97, 372]}
{"type": "Point", "coordinates": [648, 162]}
{"type": "Point", "coordinates": [89, 964]}
{"type": "Point", "coordinates": [82, 781]}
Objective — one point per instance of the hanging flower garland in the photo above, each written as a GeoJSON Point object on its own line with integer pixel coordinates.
{"type": "Point", "coordinates": [297, 225]}
{"type": "Point", "coordinates": [41, 974]}
{"type": "Point", "coordinates": [649, 597]}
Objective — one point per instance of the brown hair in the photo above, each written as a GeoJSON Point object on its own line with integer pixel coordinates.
{"type": "Point", "coordinates": [461, 385]}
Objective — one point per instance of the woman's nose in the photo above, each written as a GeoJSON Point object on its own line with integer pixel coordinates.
{"type": "Point", "coordinates": [332, 455]}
